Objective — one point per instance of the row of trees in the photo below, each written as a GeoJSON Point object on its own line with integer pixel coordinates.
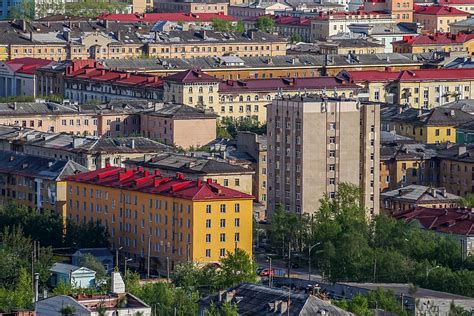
{"type": "Point", "coordinates": [228, 127]}
{"type": "Point", "coordinates": [349, 248]}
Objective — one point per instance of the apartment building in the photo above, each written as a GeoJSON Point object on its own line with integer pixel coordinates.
{"type": "Point", "coordinates": [462, 43]}
{"type": "Point", "coordinates": [350, 46]}
{"type": "Point", "coordinates": [406, 163]}
{"type": "Point", "coordinates": [179, 125]}
{"type": "Point", "coordinates": [315, 143]}
{"type": "Point", "coordinates": [373, 84]}
{"type": "Point", "coordinates": [413, 196]}
{"type": "Point", "coordinates": [195, 7]}
{"type": "Point", "coordinates": [17, 77]}
{"type": "Point", "coordinates": [457, 169]}
{"type": "Point", "coordinates": [35, 182]}
{"type": "Point", "coordinates": [240, 99]}
{"type": "Point", "coordinates": [463, 5]}
{"type": "Point", "coordinates": [437, 18]}
{"type": "Point", "coordinates": [329, 24]}
{"type": "Point", "coordinates": [402, 10]}
{"type": "Point", "coordinates": [173, 219]}
{"type": "Point", "coordinates": [437, 125]}
{"type": "Point", "coordinates": [187, 20]}
{"type": "Point", "coordinates": [95, 84]}
{"type": "Point", "coordinates": [221, 171]}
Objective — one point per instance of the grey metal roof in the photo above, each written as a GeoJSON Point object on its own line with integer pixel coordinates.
{"type": "Point", "coordinates": [35, 108]}
{"type": "Point", "coordinates": [65, 268]}
{"type": "Point", "coordinates": [41, 167]}
{"type": "Point", "coordinates": [419, 193]}
{"type": "Point", "coordinates": [181, 111]}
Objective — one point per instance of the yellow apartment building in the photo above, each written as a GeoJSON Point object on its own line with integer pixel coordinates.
{"type": "Point", "coordinates": [457, 168]}
{"type": "Point", "coordinates": [433, 126]}
{"type": "Point", "coordinates": [436, 18]}
{"type": "Point", "coordinates": [173, 219]}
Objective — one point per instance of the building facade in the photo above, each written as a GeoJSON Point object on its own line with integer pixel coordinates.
{"type": "Point", "coordinates": [437, 18]}
{"type": "Point", "coordinates": [173, 219]}
{"type": "Point", "coordinates": [306, 163]}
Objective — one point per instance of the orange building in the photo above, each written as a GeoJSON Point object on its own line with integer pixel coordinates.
{"type": "Point", "coordinates": [402, 10]}
{"type": "Point", "coordinates": [172, 219]}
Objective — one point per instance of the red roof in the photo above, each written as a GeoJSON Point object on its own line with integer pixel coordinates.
{"type": "Point", "coordinates": [27, 65]}
{"type": "Point", "coordinates": [443, 220]}
{"type": "Point", "coordinates": [154, 183]}
{"type": "Point", "coordinates": [173, 17]}
{"type": "Point", "coordinates": [284, 84]}
{"type": "Point", "coordinates": [409, 75]}
{"type": "Point", "coordinates": [439, 10]}
{"type": "Point", "coordinates": [341, 14]}
{"type": "Point", "coordinates": [99, 74]}
{"type": "Point", "coordinates": [371, 75]}
{"type": "Point", "coordinates": [190, 76]}
{"type": "Point", "coordinates": [455, 2]}
{"type": "Point", "coordinates": [434, 39]}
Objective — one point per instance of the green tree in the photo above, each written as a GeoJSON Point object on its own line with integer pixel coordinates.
{"type": "Point", "coordinates": [23, 10]}
{"type": "Point", "coordinates": [93, 9]}
{"type": "Point", "coordinates": [265, 24]}
{"type": "Point", "coordinates": [225, 309]}
{"type": "Point", "coordinates": [237, 267]}
{"type": "Point", "coordinates": [91, 262]}
{"type": "Point", "coordinates": [385, 300]}
{"type": "Point", "coordinates": [89, 235]}
{"type": "Point", "coordinates": [296, 38]}
{"type": "Point", "coordinates": [67, 310]}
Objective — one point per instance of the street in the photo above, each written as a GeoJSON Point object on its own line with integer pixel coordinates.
{"type": "Point", "coordinates": [281, 270]}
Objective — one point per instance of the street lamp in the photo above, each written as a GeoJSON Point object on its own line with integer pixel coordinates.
{"type": "Point", "coordinates": [125, 264]}
{"type": "Point", "coordinates": [117, 256]}
{"type": "Point", "coordinates": [270, 276]}
{"type": "Point", "coordinates": [309, 259]}
{"type": "Point", "coordinates": [429, 270]}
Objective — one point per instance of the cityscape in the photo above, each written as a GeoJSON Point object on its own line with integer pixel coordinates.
{"type": "Point", "coordinates": [236, 157]}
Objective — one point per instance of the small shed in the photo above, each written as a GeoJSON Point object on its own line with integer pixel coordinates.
{"type": "Point", "coordinates": [78, 277]}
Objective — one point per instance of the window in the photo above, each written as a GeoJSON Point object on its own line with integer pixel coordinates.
{"type": "Point", "coordinates": [226, 182]}
{"type": "Point", "coordinates": [222, 222]}
{"type": "Point", "coordinates": [208, 208]}
{"type": "Point", "coordinates": [222, 237]}
{"type": "Point", "coordinates": [332, 140]}
{"type": "Point", "coordinates": [222, 208]}
{"type": "Point", "coordinates": [222, 252]}
{"type": "Point", "coordinates": [437, 132]}
{"type": "Point", "coordinates": [208, 223]}
{"type": "Point", "coordinates": [237, 222]}
{"type": "Point", "coordinates": [237, 208]}
{"type": "Point", "coordinates": [208, 253]}
{"type": "Point", "coordinates": [208, 237]}
{"type": "Point", "coordinates": [237, 182]}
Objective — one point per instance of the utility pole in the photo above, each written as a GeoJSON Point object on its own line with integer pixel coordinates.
{"type": "Point", "coordinates": [168, 268]}
{"type": "Point", "coordinates": [289, 259]}
{"type": "Point", "coordinates": [270, 273]}
{"type": "Point", "coordinates": [375, 269]}
{"type": "Point", "coordinates": [148, 258]}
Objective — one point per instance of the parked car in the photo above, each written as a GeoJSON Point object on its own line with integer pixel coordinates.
{"type": "Point", "coordinates": [267, 272]}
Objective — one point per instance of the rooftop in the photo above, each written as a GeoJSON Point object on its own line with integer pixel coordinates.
{"type": "Point", "coordinates": [444, 220]}
{"type": "Point", "coordinates": [406, 149]}
{"type": "Point", "coordinates": [190, 76]}
{"type": "Point", "coordinates": [181, 112]}
{"type": "Point", "coordinates": [436, 39]}
{"type": "Point", "coordinates": [174, 17]}
{"type": "Point", "coordinates": [154, 183]}
{"type": "Point", "coordinates": [438, 116]}
{"type": "Point", "coordinates": [26, 65]}
{"type": "Point", "coordinates": [65, 268]}
{"type": "Point", "coordinates": [420, 194]}
{"type": "Point", "coordinates": [438, 10]}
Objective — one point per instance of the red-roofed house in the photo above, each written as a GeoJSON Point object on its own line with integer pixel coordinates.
{"type": "Point", "coordinates": [463, 5]}
{"type": "Point", "coordinates": [17, 76]}
{"type": "Point", "coordinates": [455, 222]}
{"type": "Point", "coordinates": [438, 42]}
{"type": "Point", "coordinates": [181, 219]}
{"type": "Point", "coordinates": [436, 18]}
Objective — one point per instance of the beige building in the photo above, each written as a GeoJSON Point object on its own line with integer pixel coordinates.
{"type": "Point", "coordinates": [437, 18]}
{"type": "Point", "coordinates": [229, 175]}
{"type": "Point", "coordinates": [179, 125]}
{"type": "Point", "coordinates": [195, 7]}
{"type": "Point", "coordinates": [314, 144]}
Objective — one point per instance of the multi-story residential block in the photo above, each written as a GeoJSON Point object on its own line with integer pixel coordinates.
{"type": "Point", "coordinates": [187, 20]}
{"type": "Point", "coordinates": [17, 76]}
{"type": "Point", "coordinates": [329, 24]}
{"type": "Point", "coordinates": [413, 196]}
{"type": "Point", "coordinates": [206, 43]}
{"type": "Point", "coordinates": [195, 7]}
{"type": "Point", "coordinates": [462, 43]}
{"type": "Point", "coordinates": [256, 9]}
{"type": "Point", "coordinates": [299, 64]}
{"type": "Point", "coordinates": [91, 84]}
{"type": "Point", "coordinates": [139, 6]}
{"type": "Point", "coordinates": [240, 99]}
{"type": "Point", "coordinates": [437, 18]}
{"type": "Point", "coordinates": [315, 143]}
{"type": "Point", "coordinates": [35, 182]}
{"type": "Point", "coordinates": [222, 172]}
{"type": "Point", "coordinates": [405, 163]}
{"type": "Point", "coordinates": [179, 125]}
{"type": "Point", "coordinates": [453, 222]}
{"type": "Point", "coordinates": [50, 78]}
{"type": "Point", "coordinates": [456, 168]}
{"type": "Point", "coordinates": [433, 126]}
{"type": "Point", "coordinates": [401, 9]}
{"type": "Point", "coordinates": [173, 219]}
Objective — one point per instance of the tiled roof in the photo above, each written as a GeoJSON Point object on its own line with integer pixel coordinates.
{"type": "Point", "coordinates": [455, 2]}
{"type": "Point", "coordinates": [284, 84]}
{"type": "Point", "coordinates": [443, 220]}
{"type": "Point", "coordinates": [438, 10]}
{"type": "Point", "coordinates": [436, 39]}
{"type": "Point", "coordinates": [190, 76]}
{"type": "Point", "coordinates": [154, 183]}
{"type": "Point", "coordinates": [173, 17]}
{"type": "Point", "coordinates": [436, 74]}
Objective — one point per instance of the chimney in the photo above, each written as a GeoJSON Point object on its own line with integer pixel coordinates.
{"type": "Point", "coordinates": [67, 36]}
{"type": "Point", "coordinates": [118, 34]}
{"type": "Point", "coordinates": [132, 144]}
{"type": "Point", "coordinates": [77, 141]}
{"type": "Point", "coordinates": [462, 150]}
{"type": "Point", "coordinates": [283, 307]}
{"type": "Point", "coordinates": [433, 192]}
{"type": "Point", "coordinates": [23, 25]}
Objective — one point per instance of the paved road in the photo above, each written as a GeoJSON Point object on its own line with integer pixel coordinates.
{"type": "Point", "coordinates": [282, 270]}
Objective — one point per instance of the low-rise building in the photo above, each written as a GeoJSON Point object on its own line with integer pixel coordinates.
{"type": "Point", "coordinates": [462, 43]}
{"type": "Point", "coordinates": [456, 168]}
{"type": "Point", "coordinates": [183, 220]}
{"type": "Point", "coordinates": [413, 196]}
{"type": "Point", "coordinates": [35, 182]}
{"type": "Point", "coordinates": [463, 5]}
{"type": "Point", "coordinates": [405, 163]}
{"type": "Point", "coordinates": [179, 125]}
{"type": "Point", "coordinates": [256, 9]}
{"type": "Point", "coordinates": [220, 171]}
{"type": "Point", "coordinates": [75, 276]}
{"type": "Point", "coordinates": [433, 126]}
{"type": "Point", "coordinates": [187, 20]}
{"type": "Point", "coordinates": [17, 77]}
{"type": "Point", "coordinates": [197, 8]}
{"type": "Point", "coordinates": [103, 255]}
{"type": "Point", "coordinates": [437, 18]}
